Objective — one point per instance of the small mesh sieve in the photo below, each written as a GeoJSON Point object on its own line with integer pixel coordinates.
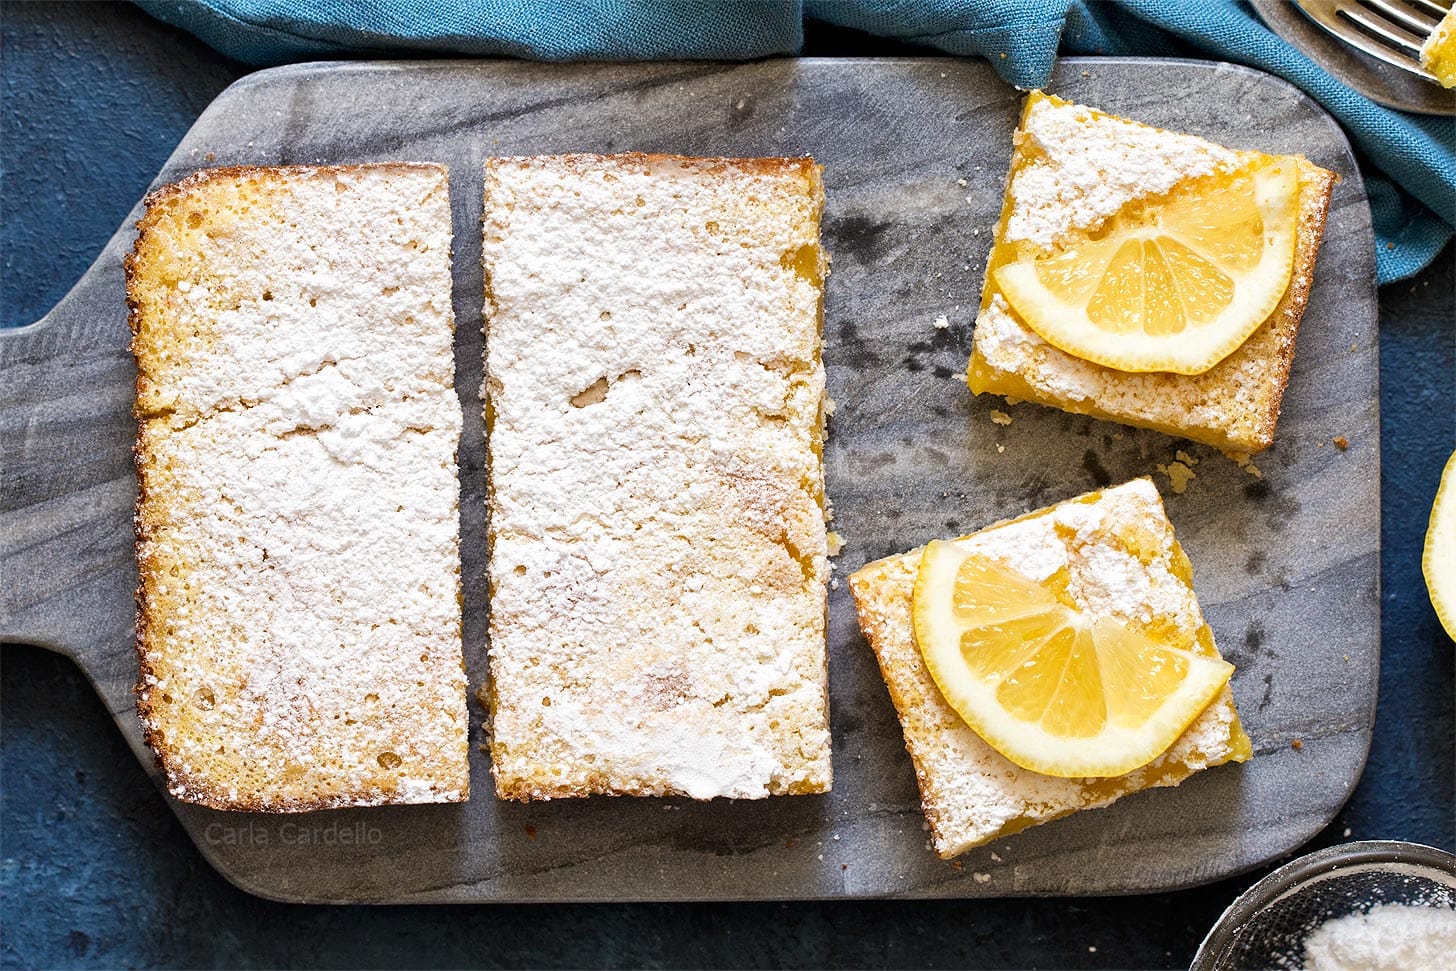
{"type": "Point", "coordinates": [1267, 925]}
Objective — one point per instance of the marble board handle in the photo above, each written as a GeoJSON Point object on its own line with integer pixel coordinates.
{"type": "Point", "coordinates": [68, 481]}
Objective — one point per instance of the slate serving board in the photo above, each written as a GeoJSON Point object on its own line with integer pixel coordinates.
{"type": "Point", "coordinates": [915, 153]}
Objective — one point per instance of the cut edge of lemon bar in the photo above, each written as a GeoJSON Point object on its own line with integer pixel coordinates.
{"type": "Point", "coordinates": [1072, 169]}
{"type": "Point", "coordinates": [971, 794]}
{"type": "Point", "coordinates": [1438, 53]}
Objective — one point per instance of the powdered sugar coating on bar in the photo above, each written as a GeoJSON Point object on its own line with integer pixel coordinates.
{"type": "Point", "coordinates": [1085, 166]}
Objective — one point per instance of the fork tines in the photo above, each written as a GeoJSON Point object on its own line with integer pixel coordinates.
{"type": "Point", "coordinates": [1390, 30]}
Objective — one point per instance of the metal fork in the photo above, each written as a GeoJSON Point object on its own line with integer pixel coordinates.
{"type": "Point", "coordinates": [1390, 30]}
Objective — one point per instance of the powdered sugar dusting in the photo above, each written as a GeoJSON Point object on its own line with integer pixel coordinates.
{"type": "Point", "coordinates": [1083, 538]}
{"type": "Point", "coordinates": [1086, 166]}
{"type": "Point", "coordinates": [1391, 937]}
{"type": "Point", "coordinates": [970, 792]}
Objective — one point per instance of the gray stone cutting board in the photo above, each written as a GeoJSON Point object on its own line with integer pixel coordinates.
{"type": "Point", "coordinates": [915, 152]}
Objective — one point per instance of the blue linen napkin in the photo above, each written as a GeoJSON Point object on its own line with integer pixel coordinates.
{"type": "Point", "coordinates": [1409, 161]}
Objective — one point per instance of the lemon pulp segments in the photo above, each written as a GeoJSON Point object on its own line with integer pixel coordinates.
{"type": "Point", "coordinates": [1175, 285]}
{"type": "Point", "coordinates": [1053, 690]}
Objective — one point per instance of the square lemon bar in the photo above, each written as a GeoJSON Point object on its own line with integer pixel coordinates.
{"type": "Point", "coordinates": [1072, 170]}
{"type": "Point", "coordinates": [1117, 558]}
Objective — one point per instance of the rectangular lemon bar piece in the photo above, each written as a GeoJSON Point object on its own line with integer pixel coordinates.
{"type": "Point", "coordinates": [1122, 561]}
{"type": "Point", "coordinates": [658, 552]}
{"type": "Point", "coordinates": [298, 620]}
{"type": "Point", "coordinates": [1073, 168]}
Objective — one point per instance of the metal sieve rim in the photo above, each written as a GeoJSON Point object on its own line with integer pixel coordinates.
{"type": "Point", "coordinates": [1303, 870]}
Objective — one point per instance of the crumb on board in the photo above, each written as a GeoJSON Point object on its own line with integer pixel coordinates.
{"type": "Point", "coordinates": [981, 877]}
{"type": "Point", "coordinates": [1000, 417]}
{"type": "Point", "coordinates": [1178, 474]}
{"type": "Point", "coordinates": [1297, 744]}
{"type": "Point", "coordinates": [942, 322]}
{"type": "Point", "coordinates": [962, 183]}
{"type": "Point", "coordinates": [1000, 448]}
{"type": "Point", "coordinates": [1185, 458]}
{"type": "Point", "coordinates": [1341, 442]}
{"type": "Point", "coordinates": [1246, 462]}
{"type": "Point", "coordinates": [829, 406]}
{"type": "Point", "coordinates": [957, 865]}
{"type": "Point", "coordinates": [836, 542]}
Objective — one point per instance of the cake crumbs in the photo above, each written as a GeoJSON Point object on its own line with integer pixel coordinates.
{"type": "Point", "coordinates": [1000, 417]}
{"type": "Point", "coordinates": [962, 183]}
{"type": "Point", "coordinates": [981, 877]}
{"type": "Point", "coordinates": [836, 542]}
{"type": "Point", "coordinates": [942, 322]}
{"type": "Point", "coordinates": [1297, 744]}
{"type": "Point", "coordinates": [1341, 442]}
{"type": "Point", "coordinates": [1246, 462]}
{"type": "Point", "coordinates": [995, 858]}
{"type": "Point", "coordinates": [1178, 474]}
{"type": "Point", "coordinates": [957, 865]}
{"type": "Point", "coordinates": [1000, 448]}
{"type": "Point", "coordinates": [1185, 458]}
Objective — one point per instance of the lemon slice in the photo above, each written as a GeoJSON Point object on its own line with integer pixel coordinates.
{"type": "Point", "coordinates": [1438, 562]}
{"type": "Point", "coordinates": [1053, 690]}
{"type": "Point", "coordinates": [1175, 285]}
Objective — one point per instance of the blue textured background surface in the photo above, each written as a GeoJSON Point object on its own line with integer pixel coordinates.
{"type": "Point", "coordinates": [96, 872]}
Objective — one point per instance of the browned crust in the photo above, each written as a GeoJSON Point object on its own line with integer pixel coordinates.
{"type": "Point", "coordinates": [859, 588]}
{"type": "Point", "coordinates": [148, 623]}
{"type": "Point", "coordinates": [585, 161]}
{"type": "Point", "coordinates": [522, 790]}
{"type": "Point", "coordinates": [1316, 187]}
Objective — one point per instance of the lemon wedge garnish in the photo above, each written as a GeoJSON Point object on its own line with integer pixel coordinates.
{"type": "Point", "coordinates": [1171, 285]}
{"type": "Point", "coordinates": [1052, 689]}
{"type": "Point", "coordinates": [1438, 561]}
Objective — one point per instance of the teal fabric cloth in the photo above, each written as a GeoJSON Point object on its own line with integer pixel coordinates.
{"type": "Point", "coordinates": [1408, 161]}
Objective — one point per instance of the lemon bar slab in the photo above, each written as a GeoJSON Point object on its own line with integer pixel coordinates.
{"type": "Point", "coordinates": [1072, 169]}
{"type": "Point", "coordinates": [299, 614]}
{"type": "Point", "coordinates": [658, 554]}
{"type": "Point", "coordinates": [1122, 561]}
